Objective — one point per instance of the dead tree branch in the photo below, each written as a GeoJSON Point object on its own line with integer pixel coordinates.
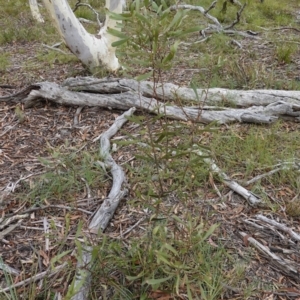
{"type": "Point", "coordinates": [266, 105]}
{"type": "Point", "coordinates": [108, 207]}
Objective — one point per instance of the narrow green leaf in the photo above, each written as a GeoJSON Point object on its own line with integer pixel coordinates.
{"type": "Point", "coordinates": [79, 248]}
{"type": "Point", "coordinates": [157, 281]}
{"type": "Point", "coordinates": [177, 219]}
{"type": "Point", "coordinates": [137, 5]}
{"type": "Point", "coordinates": [156, 228]}
{"type": "Point", "coordinates": [177, 282]}
{"type": "Point", "coordinates": [164, 5]}
{"type": "Point", "coordinates": [159, 9]}
{"type": "Point", "coordinates": [154, 6]}
{"type": "Point", "coordinates": [170, 248]}
{"type": "Point", "coordinates": [161, 257]}
{"type": "Point", "coordinates": [119, 42]}
{"type": "Point", "coordinates": [144, 76]}
{"type": "Point", "coordinates": [175, 22]}
{"type": "Point", "coordinates": [118, 17]}
{"type": "Point", "coordinates": [143, 19]}
{"type": "Point", "coordinates": [194, 88]}
{"type": "Point", "coordinates": [59, 256]}
{"type": "Point", "coordinates": [210, 231]}
{"type": "Point", "coordinates": [190, 297]}
{"type": "Point", "coordinates": [117, 33]}
{"type": "Point", "coordinates": [132, 278]}
{"type": "Point", "coordinates": [172, 53]}
{"type": "Point", "coordinates": [165, 134]}
{"type": "Point", "coordinates": [79, 229]}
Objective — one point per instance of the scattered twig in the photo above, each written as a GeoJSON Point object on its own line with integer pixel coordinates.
{"type": "Point", "coordinates": [201, 10]}
{"type": "Point", "coordinates": [78, 4]}
{"type": "Point", "coordinates": [216, 27]}
{"type": "Point", "coordinates": [56, 45]}
{"type": "Point", "coordinates": [236, 2]}
{"type": "Point", "coordinates": [88, 190]}
{"type": "Point", "coordinates": [253, 224]}
{"type": "Point", "coordinates": [281, 28]}
{"type": "Point", "coordinates": [8, 129]}
{"type": "Point", "coordinates": [10, 188]}
{"type": "Point", "coordinates": [82, 20]}
{"type": "Point", "coordinates": [34, 278]}
{"type": "Point", "coordinates": [76, 116]}
{"type": "Point", "coordinates": [282, 166]}
{"type": "Point", "coordinates": [281, 263]}
{"type": "Point", "coordinates": [6, 268]}
{"type": "Point", "coordinates": [7, 86]}
{"type": "Point", "coordinates": [194, 43]}
{"type": "Point", "coordinates": [252, 199]}
{"type": "Point", "coordinates": [6, 231]}
{"type": "Point", "coordinates": [280, 226]}
{"type": "Point", "coordinates": [133, 226]}
{"type": "Point", "coordinates": [32, 228]}
{"type": "Point", "coordinates": [235, 42]}
{"type": "Point", "coordinates": [261, 176]}
{"type": "Point", "coordinates": [213, 5]}
{"type": "Point", "coordinates": [37, 208]}
{"type": "Point", "coordinates": [238, 16]}
{"type": "Point", "coordinates": [56, 49]}
{"type": "Point", "coordinates": [9, 220]}
{"type": "Point", "coordinates": [214, 186]}
{"type": "Point", "coordinates": [46, 231]}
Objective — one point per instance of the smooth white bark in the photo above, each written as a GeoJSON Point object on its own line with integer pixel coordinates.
{"type": "Point", "coordinates": [35, 11]}
{"type": "Point", "coordinates": [92, 50]}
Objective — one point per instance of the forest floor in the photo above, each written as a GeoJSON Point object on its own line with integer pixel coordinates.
{"type": "Point", "coordinates": [59, 187]}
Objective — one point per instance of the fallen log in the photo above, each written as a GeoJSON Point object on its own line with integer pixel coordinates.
{"type": "Point", "coordinates": [257, 106]}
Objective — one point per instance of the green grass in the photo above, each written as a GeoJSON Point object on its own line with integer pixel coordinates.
{"type": "Point", "coordinates": [4, 61]}
{"type": "Point", "coordinates": [256, 150]}
{"type": "Point", "coordinates": [65, 178]}
{"type": "Point", "coordinates": [285, 52]}
{"type": "Point", "coordinates": [53, 57]}
{"type": "Point", "coordinates": [19, 26]}
{"type": "Point", "coordinates": [253, 146]}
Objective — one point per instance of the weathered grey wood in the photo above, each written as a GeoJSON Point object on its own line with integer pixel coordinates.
{"type": "Point", "coordinates": [169, 92]}
{"type": "Point", "coordinates": [118, 190]}
{"type": "Point", "coordinates": [83, 275]}
{"type": "Point", "coordinates": [106, 211]}
{"type": "Point", "coordinates": [280, 226]}
{"type": "Point", "coordinates": [286, 266]}
{"type": "Point", "coordinates": [124, 94]}
{"type": "Point", "coordinates": [251, 198]}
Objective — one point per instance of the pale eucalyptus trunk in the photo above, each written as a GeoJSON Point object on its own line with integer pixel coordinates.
{"type": "Point", "coordinates": [92, 50]}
